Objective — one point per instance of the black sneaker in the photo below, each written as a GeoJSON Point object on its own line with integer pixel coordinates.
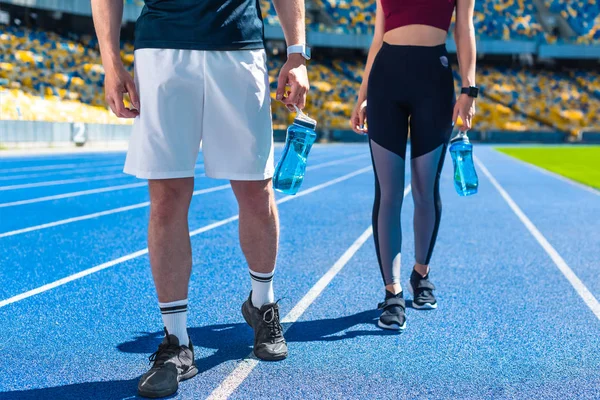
{"type": "Point", "coordinates": [393, 316]}
{"type": "Point", "coordinates": [269, 343]}
{"type": "Point", "coordinates": [172, 363]}
{"type": "Point", "coordinates": [422, 289]}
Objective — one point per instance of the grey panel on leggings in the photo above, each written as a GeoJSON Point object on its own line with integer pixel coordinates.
{"type": "Point", "coordinates": [389, 170]}
{"type": "Point", "coordinates": [425, 172]}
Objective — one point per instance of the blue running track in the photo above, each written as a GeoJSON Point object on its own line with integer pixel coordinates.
{"type": "Point", "coordinates": [517, 270]}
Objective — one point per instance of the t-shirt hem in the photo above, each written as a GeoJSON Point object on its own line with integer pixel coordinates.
{"type": "Point", "coordinates": [152, 44]}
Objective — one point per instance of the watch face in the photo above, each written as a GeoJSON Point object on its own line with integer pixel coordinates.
{"type": "Point", "coordinates": [307, 52]}
{"type": "Point", "coordinates": [470, 91]}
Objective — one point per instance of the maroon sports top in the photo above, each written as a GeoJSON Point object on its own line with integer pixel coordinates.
{"type": "Point", "coordinates": [436, 13]}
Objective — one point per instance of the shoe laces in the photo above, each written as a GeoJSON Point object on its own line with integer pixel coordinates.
{"type": "Point", "coordinates": [271, 319]}
{"type": "Point", "coordinates": [165, 352]}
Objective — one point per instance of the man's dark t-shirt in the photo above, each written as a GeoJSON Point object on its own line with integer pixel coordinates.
{"type": "Point", "coordinates": [200, 25]}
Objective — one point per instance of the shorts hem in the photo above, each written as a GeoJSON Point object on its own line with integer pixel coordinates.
{"type": "Point", "coordinates": [240, 177]}
{"type": "Point", "coordinates": [160, 174]}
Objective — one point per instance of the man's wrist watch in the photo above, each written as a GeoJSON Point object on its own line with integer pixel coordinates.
{"type": "Point", "coordinates": [302, 49]}
{"type": "Point", "coordinates": [471, 91]}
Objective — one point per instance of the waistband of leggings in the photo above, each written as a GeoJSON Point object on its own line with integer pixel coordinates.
{"type": "Point", "coordinates": [416, 50]}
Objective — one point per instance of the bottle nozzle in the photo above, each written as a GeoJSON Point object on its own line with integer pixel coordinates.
{"type": "Point", "coordinates": [303, 119]}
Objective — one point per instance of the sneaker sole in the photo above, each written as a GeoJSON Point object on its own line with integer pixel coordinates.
{"type": "Point", "coordinates": [392, 327]}
{"type": "Point", "coordinates": [278, 357]}
{"type": "Point", "coordinates": [426, 306]}
{"type": "Point", "coordinates": [193, 371]}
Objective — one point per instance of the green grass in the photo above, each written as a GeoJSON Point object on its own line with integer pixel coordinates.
{"type": "Point", "coordinates": [579, 163]}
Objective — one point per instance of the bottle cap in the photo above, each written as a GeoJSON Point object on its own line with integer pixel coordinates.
{"type": "Point", "coordinates": [461, 136]}
{"type": "Point", "coordinates": [304, 120]}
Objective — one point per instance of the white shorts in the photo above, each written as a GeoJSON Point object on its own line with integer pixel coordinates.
{"type": "Point", "coordinates": [218, 98]}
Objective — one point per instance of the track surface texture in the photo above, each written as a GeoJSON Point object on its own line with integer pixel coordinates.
{"type": "Point", "coordinates": [517, 270]}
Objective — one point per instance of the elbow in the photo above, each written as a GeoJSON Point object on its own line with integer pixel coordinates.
{"type": "Point", "coordinates": [464, 30]}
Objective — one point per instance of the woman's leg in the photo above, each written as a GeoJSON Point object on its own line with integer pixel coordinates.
{"type": "Point", "coordinates": [389, 170]}
{"type": "Point", "coordinates": [430, 127]}
{"type": "Point", "coordinates": [387, 118]}
{"type": "Point", "coordinates": [426, 170]}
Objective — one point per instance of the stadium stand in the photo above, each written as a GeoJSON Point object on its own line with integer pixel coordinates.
{"type": "Point", "coordinates": [45, 76]}
{"type": "Point", "coordinates": [49, 77]}
{"type": "Point", "coordinates": [513, 19]}
{"type": "Point", "coordinates": [506, 20]}
{"type": "Point", "coordinates": [582, 15]}
{"type": "Point", "coordinates": [554, 98]}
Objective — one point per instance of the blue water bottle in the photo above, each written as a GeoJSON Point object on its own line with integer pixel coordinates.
{"type": "Point", "coordinates": [465, 177]}
{"type": "Point", "coordinates": [290, 170]}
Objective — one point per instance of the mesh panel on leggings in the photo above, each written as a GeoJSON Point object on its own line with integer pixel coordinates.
{"type": "Point", "coordinates": [425, 172]}
{"type": "Point", "coordinates": [389, 194]}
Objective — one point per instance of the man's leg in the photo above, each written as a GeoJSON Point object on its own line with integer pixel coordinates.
{"type": "Point", "coordinates": [238, 146]}
{"type": "Point", "coordinates": [170, 250]}
{"type": "Point", "coordinates": [259, 235]}
{"type": "Point", "coordinates": [163, 149]}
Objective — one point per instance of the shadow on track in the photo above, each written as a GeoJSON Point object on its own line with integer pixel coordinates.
{"type": "Point", "coordinates": [230, 342]}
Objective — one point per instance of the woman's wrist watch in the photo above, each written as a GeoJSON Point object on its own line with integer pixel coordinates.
{"type": "Point", "coordinates": [471, 91]}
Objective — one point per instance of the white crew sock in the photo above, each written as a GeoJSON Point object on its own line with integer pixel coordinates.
{"type": "Point", "coordinates": [262, 288]}
{"type": "Point", "coordinates": [174, 315]}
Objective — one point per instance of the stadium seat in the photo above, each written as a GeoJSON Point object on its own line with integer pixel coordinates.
{"type": "Point", "coordinates": [582, 15]}
{"type": "Point", "coordinates": [514, 19]}
{"type": "Point", "coordinates": [44, 76]}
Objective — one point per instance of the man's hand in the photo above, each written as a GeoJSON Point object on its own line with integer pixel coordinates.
{"type": "Point", "coordinates": [465, 109]}
{"type": "Point", "coordinates": [116, 83]}
{"type": "Point", "coordinates": [293, 74]}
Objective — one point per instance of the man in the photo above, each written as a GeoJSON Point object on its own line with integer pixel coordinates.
{"type": "Point", "coordinates": [200, 75]}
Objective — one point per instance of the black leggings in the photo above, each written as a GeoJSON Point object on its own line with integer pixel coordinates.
{"type": "Point", "coordinates": [409, 87]}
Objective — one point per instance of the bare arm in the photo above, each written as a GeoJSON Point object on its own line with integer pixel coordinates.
{"type": "Point", "coordinates": [292, 18]}
{"type": "Point", "coordinates": [107, 16]}
{"type": "Point", "coordinates": [293, 73]}
{"type": "Point", "coordinates": [373, 50]}
{"type": "Point", "coordinates": [464, 35]}
{"type": "Point", "coordinates": [359, 114]}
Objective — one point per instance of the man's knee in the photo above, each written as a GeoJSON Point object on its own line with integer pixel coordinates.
{"type": "Point", "coordinates": [254, 195]}
{"type": "Point", "coordinates": [170, 197]}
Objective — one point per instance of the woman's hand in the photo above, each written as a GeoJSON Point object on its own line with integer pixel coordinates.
{"type": "Point", "coordinates": [359, 116]}
{"type": "Point", "coordinates": [465, 109]}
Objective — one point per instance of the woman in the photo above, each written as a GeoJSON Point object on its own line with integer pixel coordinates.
{"type": "Point", "coordinates": [408, 83]}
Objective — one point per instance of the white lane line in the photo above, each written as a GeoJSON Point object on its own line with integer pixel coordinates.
{"type": "Point", "coordinates": [335, 162]}
{"type": "Point", "coordinates": [44, 174]}
{"type": "Point", "coordinates": [139, 253]}
{"type": "Point", "coordinates": [129, 186]}
{"type": "Point", "coordinates": [552, 174]}
{"type": "Point", "coordinates": [71, 172]}
{"type": "Point", "coordinates": [72, 194]}
{"type": "Point", "coordinates": [100, 214]}
{"type": "Point", "coordinates": [62, 182]}
{"type": "Point", "coordinates": [560, 263]}
{"type": "Point", "coordinates": [245, 366]}
{"type": "Point", "coordinates": [77, 194]}
{"type": "Point", "coordinates": [56, 166]}
{"type": "Point", "coordinates": [315, 157]}
{"type": "Point", "coordinates": [324, 185]}
{"type": "Point", "coordinates": [144, 204]}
